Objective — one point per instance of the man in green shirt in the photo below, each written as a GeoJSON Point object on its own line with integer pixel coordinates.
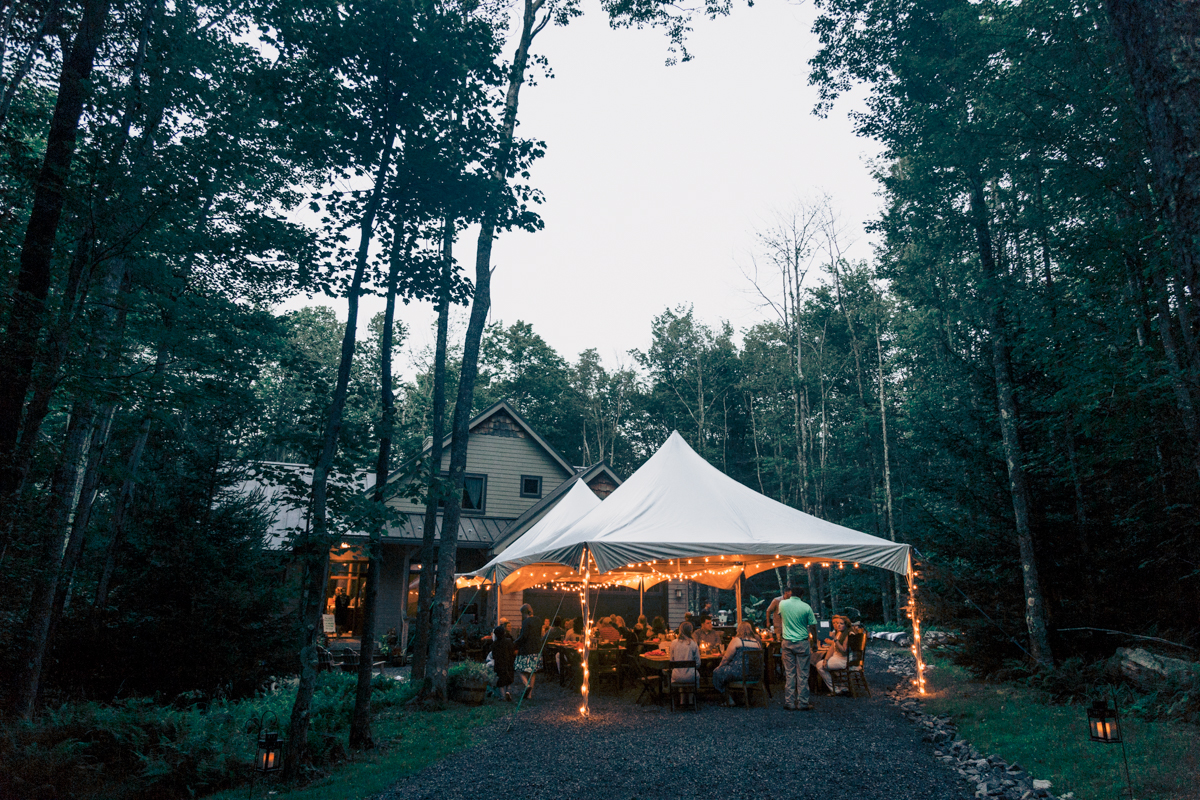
{"type": "Point", "coordinates": [799, 624]}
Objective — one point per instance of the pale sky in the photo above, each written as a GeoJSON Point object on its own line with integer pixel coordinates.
{"type": "Point", "coordinates": [656, 178]}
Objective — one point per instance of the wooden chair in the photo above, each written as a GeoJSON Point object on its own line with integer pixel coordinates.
{"type": "Point", "coordinates": [754, 666]}
{"type": "Point", "coordinates": [853, 678]}
{"type": "Point", "coordinates": [685, 688]}
{"type": "Point", "coordinates": [324, 660]}
{"type": "Point", "coordinates": [650, 680]}
{"type": "Point", "coordinates": [604, 663]}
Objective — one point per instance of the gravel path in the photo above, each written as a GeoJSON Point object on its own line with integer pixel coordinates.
{"type": "Point", "coordinates": [854, 749]}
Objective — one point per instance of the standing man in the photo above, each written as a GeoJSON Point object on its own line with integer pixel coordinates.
{"type": "Point", "coordinates": [799, 627]}
{"type": "Point", "coordinates": [773, 617]}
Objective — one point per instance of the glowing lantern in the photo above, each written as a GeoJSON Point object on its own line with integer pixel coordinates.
{"type": "Point", "coordinates": [1103, 723]}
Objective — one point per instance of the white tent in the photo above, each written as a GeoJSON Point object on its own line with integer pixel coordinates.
{"type": "Point", "coordinates": [574, 505]}
{"type": "Point", "coordinates": [680, 517]}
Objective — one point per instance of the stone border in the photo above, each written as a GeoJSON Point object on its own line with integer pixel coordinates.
{"type": "Point", "coordinates": [991, 775]}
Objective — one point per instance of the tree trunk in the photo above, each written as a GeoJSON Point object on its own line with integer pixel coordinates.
{"type": "Point", "coordinates": [1035, 609]}
{"type": "Point", "coordinates": [887, 468]}
{"type": "Point", "coordinates": [360, 723]}
{"type": "Point", "coordinates": [1161, 51]}
{"type": "Point", "coordinates": [434, 492]}
{"type": "Point", "coordinates": [37, 250]}
{"type": "Point", "coordinates": [439, 659]}
{"type": "Point", "coordinates": [313, 548]}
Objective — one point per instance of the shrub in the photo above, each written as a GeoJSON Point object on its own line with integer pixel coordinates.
{"type": "Point", "coordinates": [137, 750]}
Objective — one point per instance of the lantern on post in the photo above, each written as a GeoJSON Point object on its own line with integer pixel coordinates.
{"type": "Point", "coordinates": [268, 755]}
{"type": "Point", "coordinates": [1103, 723]}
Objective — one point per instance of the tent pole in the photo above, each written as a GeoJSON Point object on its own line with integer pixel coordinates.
{"type": "Point", "coordinates": [585, 568]}
{"type": "Point", "coordinates": [915, 616]}
{"type": "Point", "coordinates": [737, 587]}
{"type": "Point", "coordinates": [642, 596]}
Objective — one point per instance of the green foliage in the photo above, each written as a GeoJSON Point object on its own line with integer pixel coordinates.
{"type": "Point", "coordinates": [139, 750]}
{"type": "Point", "coordinates": [470, 673]}
{"type": "Point", "coordinates": [1049, 738]}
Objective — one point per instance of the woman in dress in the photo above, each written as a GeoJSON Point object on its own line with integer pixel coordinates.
{"type": "Point", "coordinates": [529, 649]}
{"type": "Point", "coordinates": [835, 656]}
{"type": "Point", "coordinates": [730, 668]}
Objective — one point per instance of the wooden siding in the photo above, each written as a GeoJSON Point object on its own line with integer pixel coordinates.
{"type": "Point", "coordinates": [676, 607]}
{"type": "Point", "coordinates": [503, 459]}
{"type": "Point", "coordinates": [510, 607]}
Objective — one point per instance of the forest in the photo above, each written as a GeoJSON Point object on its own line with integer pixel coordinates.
{"type": "Point", "coordinates": [1011, 383]}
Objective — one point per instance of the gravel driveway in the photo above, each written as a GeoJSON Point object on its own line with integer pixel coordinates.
{"type": "Point", "coordinates": [855, 749]}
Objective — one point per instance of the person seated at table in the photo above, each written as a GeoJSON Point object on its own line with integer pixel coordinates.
{"type": "Point", "coordinates": [730, 668]}
{"type": "Point", "coordinates": [835, 654]}
{"type": "Point", "coordinates": [684, 649]}
{"type": "Point", "coordinates": [607, 633]}
{"type": "Point", "coordinates": [628, 637]}
{"type": "Point", "coordinates": [574, 630]}
{"type": "Point", "coordinates": [658, 628]}
{"type": "Point", "coordinates": [557, 632]}
{"type": "Point", "coordinates": [641, 628]}
{"type": "Point", "coordinates": [707, 636]}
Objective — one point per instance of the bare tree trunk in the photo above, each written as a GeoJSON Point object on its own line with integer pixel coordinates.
{"type": "Point", "coordinates": [1035, 609]}
{"type": "Point", "coordinates": [887, 467]}
{"type": "Point", "coordinates": [434, 488]}
{"type": "Point", "coordinates": [312, 549]}
{"type": "Point", "coordinates": [439, 658]}
{"type": "Point", "coordinates": [360, 722]}
{"type": "Point", "coordinates": [9, 87]}
{"type": "Point", "coordinates": [26, 318]}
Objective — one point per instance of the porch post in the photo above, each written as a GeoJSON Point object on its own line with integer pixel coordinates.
{"type": "Point", "coordinates": [405, 571]}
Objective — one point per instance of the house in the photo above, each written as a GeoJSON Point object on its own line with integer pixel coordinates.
{"type": "Point", "coordinates": [513, 478]}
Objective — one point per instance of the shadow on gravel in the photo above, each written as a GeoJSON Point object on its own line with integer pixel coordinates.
{"type": "Point", "coordinates": [855, 749]}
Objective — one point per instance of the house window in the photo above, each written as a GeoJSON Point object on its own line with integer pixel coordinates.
{"type": "Point", "coordinates": [531, 486]}
{"type": "Point", "coordinates": [474, 493]}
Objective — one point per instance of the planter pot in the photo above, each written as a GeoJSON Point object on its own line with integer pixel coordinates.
{"type": "Point", "coordinates": [471, 695]}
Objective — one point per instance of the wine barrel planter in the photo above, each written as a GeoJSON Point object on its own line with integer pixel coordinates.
{"type": "Point", "coordinates": [471, 695]}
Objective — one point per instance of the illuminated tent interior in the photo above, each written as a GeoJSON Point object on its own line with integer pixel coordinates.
{"type": "Point", "coordinates": [678, 517]}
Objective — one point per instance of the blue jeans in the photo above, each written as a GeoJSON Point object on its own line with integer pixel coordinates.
{"type": "Point", "coordinates": [795, 672]}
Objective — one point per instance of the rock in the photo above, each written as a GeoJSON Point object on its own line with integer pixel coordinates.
{"type": "Point", "coordinates": [1146, 669]}
{"type": "Point", "coordinates": [1041, 784]}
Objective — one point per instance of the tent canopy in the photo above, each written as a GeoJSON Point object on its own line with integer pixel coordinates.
{"type": "Point", "coordinates": [574, 505]}
{"type": "Point", "coordinates": [680, 517]}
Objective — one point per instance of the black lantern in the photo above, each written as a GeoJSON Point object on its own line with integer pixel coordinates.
{"type": "Point", "coordinates": [268, 757]}
{"type": "Point", "coordinates": [1103, 723]}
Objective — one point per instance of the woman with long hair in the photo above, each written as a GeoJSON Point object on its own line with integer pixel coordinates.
{"type": "Point", "coordinates": [730, 668]}
{"type": "Point", "coordinates": [835, 656]}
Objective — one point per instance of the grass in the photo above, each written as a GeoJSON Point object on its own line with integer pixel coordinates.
{"type": "Point", "coordinates": [411, 740]}
{"type": "Point", "coordinates": [1051, 741]}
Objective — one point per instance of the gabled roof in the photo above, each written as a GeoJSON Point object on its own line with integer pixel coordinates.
{"type": "Point", "coordinates": [539, 509]}
{"type": "Point", "coordinates": [405, 470]}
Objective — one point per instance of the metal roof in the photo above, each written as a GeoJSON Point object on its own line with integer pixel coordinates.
{"type": "Point", "coordinates": [472, 531]}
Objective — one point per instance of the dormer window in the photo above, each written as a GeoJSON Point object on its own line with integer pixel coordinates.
{"type": "Point", "coordinates": [531, 486]}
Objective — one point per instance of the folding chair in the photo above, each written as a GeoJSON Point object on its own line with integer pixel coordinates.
{"type": "Point", "coordinates": [650, 680]}
{"type": "Point", "coordinates": [685, 688]}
